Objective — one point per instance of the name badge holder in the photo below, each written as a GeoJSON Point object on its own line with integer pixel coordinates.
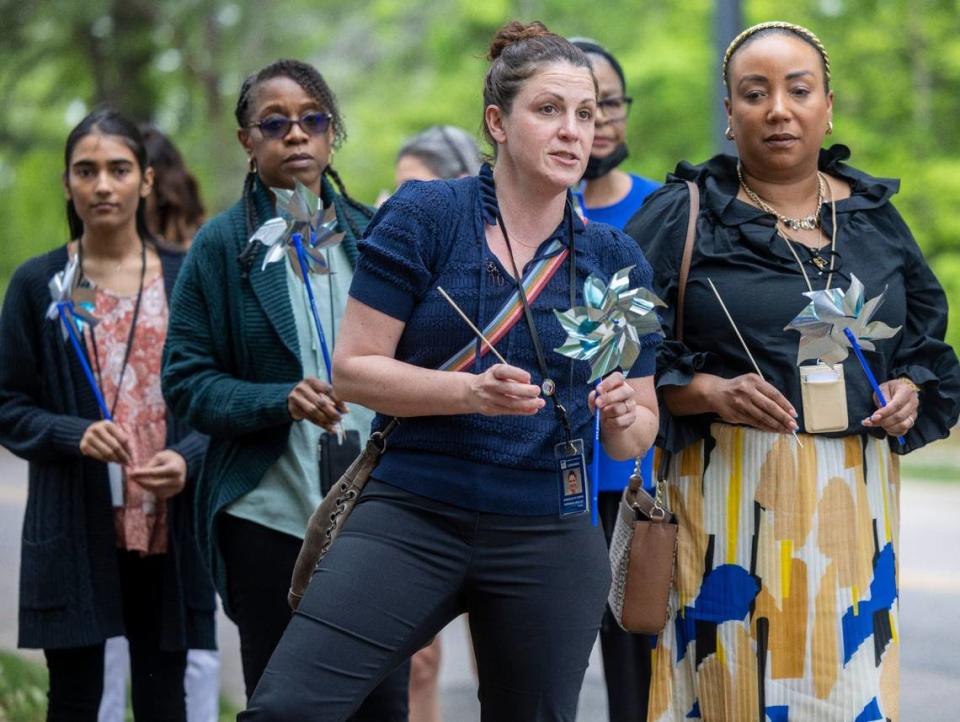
{"type": "Point", "coordinates": [823, 393]}
{"type": "Point", "coordinates": [87, 295]}
{"type": "Point", "coordinates": [573, 484]}
{"type": "Point", "coordinates": [823, 389]}
{"type": "Point", "coordinates": [115, 476]}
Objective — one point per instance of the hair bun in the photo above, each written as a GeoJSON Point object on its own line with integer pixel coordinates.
{"type": "Point", "coordinates": [514, 32]}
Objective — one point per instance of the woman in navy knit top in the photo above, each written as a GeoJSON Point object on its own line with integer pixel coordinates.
{"type": "Point", "coordinates": [465, 511]}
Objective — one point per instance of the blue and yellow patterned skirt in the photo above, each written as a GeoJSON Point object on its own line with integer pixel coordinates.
{"type": "Point", "coordinates": [784, 607]}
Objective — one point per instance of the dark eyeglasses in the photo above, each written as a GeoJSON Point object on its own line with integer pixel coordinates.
{"type": "Point", "coordinates": [277, 126]}
{"type": "Point", "coordinates": [615, 108]}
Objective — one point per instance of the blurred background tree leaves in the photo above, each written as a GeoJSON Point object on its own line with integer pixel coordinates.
{"type": "Point", "coordinates": [400, 65]}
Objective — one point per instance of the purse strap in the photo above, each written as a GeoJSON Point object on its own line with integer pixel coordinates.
{"type": "Point", "coordinates": [685, 261]}
{"type": "Point", "coordinates": [687, 257]}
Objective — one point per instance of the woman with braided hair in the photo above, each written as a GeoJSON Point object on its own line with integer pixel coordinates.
{"type": "Point", "coordinates": [786, 481]}
{"type": "Point", "coordinates": [244, 362]}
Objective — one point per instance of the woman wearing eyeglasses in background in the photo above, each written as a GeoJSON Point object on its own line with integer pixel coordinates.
{"type": "Point", "coordinates": [785, 601]}
{"type": "Point", "coordinates": [244, 364]}
{"type": "Point", "coordinates": [610, 195]}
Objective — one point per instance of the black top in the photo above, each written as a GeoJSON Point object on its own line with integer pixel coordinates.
{"type": "Point", "coordinates": [757, 276]}
{"type": "Point", "coordinates": [69, 580]}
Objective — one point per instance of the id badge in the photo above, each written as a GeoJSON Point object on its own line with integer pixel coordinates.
{"type": "Point", "coordinates": [573, 486]}
{"type": "Point", "coordinates": [823, 393]}
{"type": "Point", "coordinates": [115, 475]}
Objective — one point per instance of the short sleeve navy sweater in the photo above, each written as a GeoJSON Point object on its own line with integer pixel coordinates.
{"type": "Point", "coordinates": [431, 234]}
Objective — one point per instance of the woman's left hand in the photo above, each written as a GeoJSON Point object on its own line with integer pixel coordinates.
{"type": "Point", "coordinates": [900, 413]}
{"type": "Point", "coordinates": [164, 475]}
{"type": "Point", "coordinates": [617, 402]}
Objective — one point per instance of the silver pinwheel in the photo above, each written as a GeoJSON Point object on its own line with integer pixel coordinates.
{"type": "Point", "coordinates": [63, 308]}
{"type": "Point", "coordinates": [606, 331]}
{"type": "Point", "coordinates": [301, 212]}
{"type": "Point", "coordinates": [824, 322]}
{"type": "Point", "coordinates": [61, 297]}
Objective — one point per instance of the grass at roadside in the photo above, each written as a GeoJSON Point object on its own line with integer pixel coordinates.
{"type": "Point", "coordinates": [939, 461]}
{"type": "Point", "coordinates": [23, 689]}
{"type": "Point", "coordinates": [23, 692]}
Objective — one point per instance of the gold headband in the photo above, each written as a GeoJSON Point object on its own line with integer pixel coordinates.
{"type": "Point", "coordinates": [775, 25]}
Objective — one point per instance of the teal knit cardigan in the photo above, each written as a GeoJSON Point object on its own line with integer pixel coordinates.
{"type": "Point", "coordinates": [232, 357]}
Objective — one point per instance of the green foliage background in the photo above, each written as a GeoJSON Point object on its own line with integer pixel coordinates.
{"type": "Point", "coordinates": [400, 65]}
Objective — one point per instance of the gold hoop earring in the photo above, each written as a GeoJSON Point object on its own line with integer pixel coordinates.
{"type": "Point", "coordinates": [728, 133]}
{"type": "Point", "coordinates": [829, 127]}
{"type": "Point", "coordinates": [252, 164]}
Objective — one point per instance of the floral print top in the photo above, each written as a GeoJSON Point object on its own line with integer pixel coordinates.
{"type": "Point", "coordinates": [138, 407]}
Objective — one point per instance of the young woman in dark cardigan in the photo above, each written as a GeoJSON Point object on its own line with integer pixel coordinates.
{"type": "Point", "coordinates": [243, 364]}
{"type": "Point", "coordinates": [94, 565]}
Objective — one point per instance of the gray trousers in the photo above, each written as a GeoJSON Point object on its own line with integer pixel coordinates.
{"type": "Point", "coordinates": [403, 567]}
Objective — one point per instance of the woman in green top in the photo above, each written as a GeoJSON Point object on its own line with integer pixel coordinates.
{"type": "Point", "coordinates": [244, 362]}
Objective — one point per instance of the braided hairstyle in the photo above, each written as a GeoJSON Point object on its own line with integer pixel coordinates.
{"type": "Point", "coordinates": [310, 79]}
{"type": "Point", "coordinates": [776, 27]}
{"type": "Point", "coordinates": [516, 53]}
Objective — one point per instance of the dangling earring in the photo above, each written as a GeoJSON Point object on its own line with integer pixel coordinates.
{"type": "Point", "coordinates": [252, 164]}
{"type": "Point", "coordinates": [728, 133]}
{"type": "Point", "coordinates": [829, 127]}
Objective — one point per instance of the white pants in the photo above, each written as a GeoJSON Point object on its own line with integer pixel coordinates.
{"type": "Point", "coordinates": [201, 681]}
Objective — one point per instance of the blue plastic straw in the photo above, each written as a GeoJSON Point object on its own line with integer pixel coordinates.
{"type": "Point", "coordinates": [855, 345]}
{"type": "Point", "coordinates": [65, 309]}
{"type": "Point", "coordinates": [595, 464]}
{"type": "Point", "coordinates": [305, 271]}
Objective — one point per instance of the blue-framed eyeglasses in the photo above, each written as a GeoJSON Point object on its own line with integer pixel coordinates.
{"type": "Point", "coordinates": [277, 126]}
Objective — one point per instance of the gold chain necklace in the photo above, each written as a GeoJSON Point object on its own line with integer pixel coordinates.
{"type": "Point", "coordinates": [805, 223]}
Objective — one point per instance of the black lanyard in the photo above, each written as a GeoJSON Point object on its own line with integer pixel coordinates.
{"type": "Point", "coordinates": [549, 386]}
{"type": "Point", "coordinates": [130, 333]}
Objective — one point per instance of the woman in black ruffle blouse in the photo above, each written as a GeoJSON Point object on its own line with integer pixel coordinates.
{"type": "Point", "coordinates": [786, 600]}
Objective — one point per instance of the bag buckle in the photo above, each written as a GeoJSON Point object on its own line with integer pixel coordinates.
{"type": "Point", "coordinates": [659, 512]}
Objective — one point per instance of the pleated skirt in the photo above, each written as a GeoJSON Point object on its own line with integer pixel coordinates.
{"type": "Point", "coordinates": [785, 599]}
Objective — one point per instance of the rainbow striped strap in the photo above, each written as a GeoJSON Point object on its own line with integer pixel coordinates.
{"type": "Point", "coordinates": [533, 283]}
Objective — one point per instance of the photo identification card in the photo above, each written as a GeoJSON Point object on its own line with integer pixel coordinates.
{"type": "Point", "coordinates": [572, 482]}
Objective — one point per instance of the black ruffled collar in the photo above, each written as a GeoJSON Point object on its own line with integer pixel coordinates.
{"type": "Point", "coordinates": [718, 182]}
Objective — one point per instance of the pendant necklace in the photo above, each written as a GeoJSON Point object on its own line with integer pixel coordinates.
{"type": "Point", "coordinates": [804, 223]}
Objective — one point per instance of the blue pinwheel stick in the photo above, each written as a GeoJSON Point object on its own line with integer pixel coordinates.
{"type": "Point", "coordinates": [65, 309]}
{"type": "Point", "coordinates": [297, 240]}
{"type": "Point", "coordinates": [855, 345]}
{"type": "Point", "coordinates": [595, 463]}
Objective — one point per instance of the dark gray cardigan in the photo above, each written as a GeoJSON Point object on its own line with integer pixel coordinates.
{"type": "Point", "coordinates": [69, 582]}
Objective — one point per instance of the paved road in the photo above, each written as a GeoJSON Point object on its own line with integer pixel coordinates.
{"type": "Point", "coordinates": [929, 609]}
